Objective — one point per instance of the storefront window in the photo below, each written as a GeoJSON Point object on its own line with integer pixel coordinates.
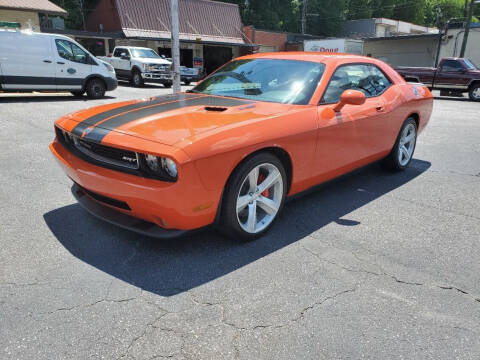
{"type": "Point", "coordinates": [94, 46]}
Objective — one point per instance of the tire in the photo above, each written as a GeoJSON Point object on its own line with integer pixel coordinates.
{"type": "Point", "coordinates": [474, 92]}
{"type": "Point", "coordinates": [78, 93]}
{"type": "Point", "coordinates": [137, 79]}
{"type": "Point", "coordinates": [187, 82]}
{"type": "Point", "coordinates": [167, 85]}
{"type": "Point", "coordinates": [402, 152]}
{"type": "Point", "coordinates": [252, 221]}
{"type": "Point", "coordinates": [95, 88]}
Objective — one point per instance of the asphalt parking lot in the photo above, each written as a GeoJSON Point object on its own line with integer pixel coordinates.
{"type": "Point", "coordinates": [374, 265]}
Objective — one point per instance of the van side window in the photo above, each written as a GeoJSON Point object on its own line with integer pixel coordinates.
{"type": "Point", "coordinates": [71, 52]}
{"type": "Point", "coordinates": [367, 78]}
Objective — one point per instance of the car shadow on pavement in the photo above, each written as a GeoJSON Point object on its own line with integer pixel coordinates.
{"type": "Point", "coordinates": [169, 267]}
{"type": "Point", "coordinates": [32, 98]}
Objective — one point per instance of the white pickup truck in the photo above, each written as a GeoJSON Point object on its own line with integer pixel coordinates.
{"type": "Point", "coordinates": [140, 65]}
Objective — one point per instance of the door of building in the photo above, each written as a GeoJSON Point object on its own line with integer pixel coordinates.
{"type": "Point", "coordinates": [215, 56]}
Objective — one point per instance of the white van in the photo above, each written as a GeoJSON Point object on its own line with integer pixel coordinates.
{"type": "Point", "coordinates": [35, 61]}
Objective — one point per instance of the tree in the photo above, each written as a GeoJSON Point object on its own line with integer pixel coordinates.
{"type": "Point", "coordinates": [78, 11]}
{"type": "Point", "coordinates": [410, 10]}
{"type": "Point", "coordinates": [438, 12]}
{"type": "Point", "coordinates": [326, 17]}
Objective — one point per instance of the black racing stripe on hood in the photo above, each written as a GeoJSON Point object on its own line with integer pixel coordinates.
{"type": "Point", "coordinates": [91, 121]}
{"type": "Point", "coordinates": [99, 132]}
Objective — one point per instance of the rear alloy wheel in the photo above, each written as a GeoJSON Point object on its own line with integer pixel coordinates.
{"type": "Point", "coordinates": [137, 79]}
{"type": "Point", "coordinates": [474, 92]}
{"type": "Point", "coordinates": [95, 88]}
{"type": "Point", "coordinates": [402, 152]}
{"type": "Point", "coordinates": [253, 197]}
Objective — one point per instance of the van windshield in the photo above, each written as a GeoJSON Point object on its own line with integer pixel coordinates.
{"type": "Point", "coordinates": [274, 80]}
{"type": "Point", "coordinates": [144, 53]}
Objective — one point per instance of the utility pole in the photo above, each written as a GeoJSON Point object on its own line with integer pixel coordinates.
{"type": "Point", "coordinates": [304, 17]}
{"type": "Point", "coordinates": [175, 46]}
{"type": "Point", "coordinates": [467, 28]}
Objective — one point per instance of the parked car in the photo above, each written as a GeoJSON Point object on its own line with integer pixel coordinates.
{"type": "Point", "coordinates": [454, 76]}
{"type": "Point", "coordinates": [189, 75]}
{"type": "Point", "coordinates": [228, 152]}
{"type": "Point", "coordinates": [140, 65]}
{"type": "Point", "coordinates": [37, 61]}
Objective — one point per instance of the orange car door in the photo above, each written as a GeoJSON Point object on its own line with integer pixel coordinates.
{"type": "Point", "coordinates": [349, 138]}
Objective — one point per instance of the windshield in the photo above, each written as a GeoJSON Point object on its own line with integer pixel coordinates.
{"type": "Point", "coordinates": [470, 64]}
{"type": "Point", "coordinates": [282, 81]}
{"type": "Point", "coordinates": [144, 53]}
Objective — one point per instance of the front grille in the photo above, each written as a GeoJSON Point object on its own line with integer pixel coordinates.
{"type": "Point", "coordinates": [114, 156]}
{"type": "Point", "coordinates": [109, 157]}
{"type": "Point", "coordinates": [98, 153]}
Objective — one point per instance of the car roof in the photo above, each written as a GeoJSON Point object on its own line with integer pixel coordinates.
{"type": "Point", "coordinates": [309, 56]}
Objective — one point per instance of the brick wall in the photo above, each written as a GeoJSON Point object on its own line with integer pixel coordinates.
{"type": "Point", "coordinates": [266, 39]}
{"type": "Point", "coordinates": [106, 14]}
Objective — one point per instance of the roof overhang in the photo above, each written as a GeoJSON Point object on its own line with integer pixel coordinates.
{"type": "Point", "coordinates": [162, 35]}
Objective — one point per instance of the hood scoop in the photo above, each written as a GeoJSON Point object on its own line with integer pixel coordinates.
{"type": "Point", "coordinates": [215, 108]}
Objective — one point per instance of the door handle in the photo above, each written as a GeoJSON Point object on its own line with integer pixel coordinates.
{"type": "Point", "coordinates": [380, 108]}
{"type": "Point", "coordinates": [60, 63]}
{"type": "Point", "coordinates": [47, 61]}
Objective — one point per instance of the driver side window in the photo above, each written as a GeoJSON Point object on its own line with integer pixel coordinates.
{"type": "Point", "coordinates": [363, 77]}
{"type": "Point", "coordinates": [71, 52]}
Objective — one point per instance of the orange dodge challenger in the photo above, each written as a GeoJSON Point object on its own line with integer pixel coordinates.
{"type": "Point", "coordinates": [229, 151]}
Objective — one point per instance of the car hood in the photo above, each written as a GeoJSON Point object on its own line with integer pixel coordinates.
{"type": "Point", "coordinates": [169, 119]}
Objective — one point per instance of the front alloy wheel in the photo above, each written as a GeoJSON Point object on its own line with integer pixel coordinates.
{"type": "Point", "coordinates": [253, 197]}
{"type": "Point", "coordinates": [259, 198]}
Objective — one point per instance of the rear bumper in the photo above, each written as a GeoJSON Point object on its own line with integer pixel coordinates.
{"type": "Point", "coordinates": [183, 205]}
{"type": "Point", "coordinates": [122, 220]}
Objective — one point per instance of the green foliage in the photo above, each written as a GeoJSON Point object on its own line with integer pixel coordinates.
{"type": "Point", "coordinates": [438, 12]}
{"type": "Point", "coordinates": [326, 17]}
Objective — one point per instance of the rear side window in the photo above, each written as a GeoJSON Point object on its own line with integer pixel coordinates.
{"type": "Point", "coordinates": [452, 66]}
{"type": "Point", "coordinates": [367, 78]}
{"type": "Point", "coordinates": [71, 52]}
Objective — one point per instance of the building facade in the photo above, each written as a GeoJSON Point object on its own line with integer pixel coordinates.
{"type": "Point", "coordinates": [382, 27]}
{"type": "Point", "coordinates": [31, 14]}
{"type": "Point", "coordinates": [211, 32]}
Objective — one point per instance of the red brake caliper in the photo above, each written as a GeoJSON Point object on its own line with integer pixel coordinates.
{"type": "Point", "coordinates": [262, 177]}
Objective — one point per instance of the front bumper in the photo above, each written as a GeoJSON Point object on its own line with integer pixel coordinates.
{"type": "Point", "coordinates": [157, 77]}
{"type": "Point", "coordinates": [182, 205]}
{"type": "Point", "coordinates": [112, 83]}
{"type": "Point", "coordinates": [122, 220]}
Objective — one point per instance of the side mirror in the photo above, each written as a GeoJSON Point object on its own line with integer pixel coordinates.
{"type": "Point", "coordinates": [350, 97]}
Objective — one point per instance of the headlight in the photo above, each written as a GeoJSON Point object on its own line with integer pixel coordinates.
{"type": "Point", "coordinates": [109, 67]}
{"type": "Point", "coordinates": [161, 166]}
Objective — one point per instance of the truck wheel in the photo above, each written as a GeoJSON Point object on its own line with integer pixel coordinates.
{"type": "Point", "coordinates": [474, 92]}
{"type": "Point", "coordinates": [137, 79]}
{"type": "Point", "coordinates": [168, 85]}
{"type": "Point", "coordinates": [187, 82]}
{"type": "Point", "coordinates": [95, 88]}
